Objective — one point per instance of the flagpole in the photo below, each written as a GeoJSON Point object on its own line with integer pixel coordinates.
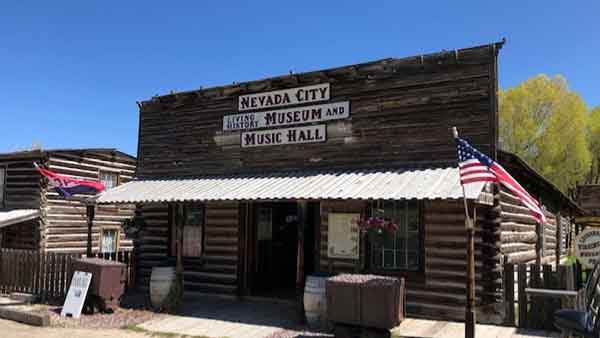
{"type": "Point", "coordinates": [470, 306]}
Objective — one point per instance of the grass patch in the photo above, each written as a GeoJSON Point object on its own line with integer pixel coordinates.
{"type": "Point", "coordinates": [138, 329]}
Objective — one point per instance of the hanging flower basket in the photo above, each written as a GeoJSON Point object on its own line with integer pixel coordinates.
{"type": "Point", "coordinates": [376, 227]}
{"type": "Point", "coordinates": [376, 237]}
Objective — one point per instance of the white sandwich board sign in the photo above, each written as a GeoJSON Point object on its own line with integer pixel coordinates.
{"type": "Point", "coordinates": [76, 295]}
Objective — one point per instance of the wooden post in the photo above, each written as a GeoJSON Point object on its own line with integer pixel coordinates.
{"type": "Point", "coordinates": [90, 211]}
{"type": "Point", "coordinates": [509, 294]}
{"type": "Point", "coordinates": [470, 308]}
{"type": "Point", "coordinates": [539, 243]}
{"type": "Point", "coordinates": [558, 249]}
{"type": "Point", "coordinates": [174, 302]}
{"type": "Point", "coordinates": [302, 217]}
{"type": "Point", "coordinates": [522, 297]}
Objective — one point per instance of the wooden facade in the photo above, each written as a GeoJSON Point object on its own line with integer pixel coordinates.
{"type": "Point", "coordinates": [401, 114]}
{"type": "Point", "coordinates": [62, 225]}
{"type": "Point", "coordinates": [588, 197]}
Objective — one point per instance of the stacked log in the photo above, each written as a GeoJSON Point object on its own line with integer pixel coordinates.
{"type": "Point", "coordinates": [65, 221]}
{"type": "Point", "coordinates": [22, 191]}
{"type": "Point", "coordinates": [517, 229]}
{"type": "Point", "coordinates": [216, 271]}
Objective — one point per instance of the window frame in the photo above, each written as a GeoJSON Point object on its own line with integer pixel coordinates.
{"type": "Point", "coordinates": [110, 172]}
{"type": "Point", "coordinates": [402, 272]}
{"type": "Point", "coordinates": [173, 230]}
{"type": "Point", "coordinates": [117, 239]}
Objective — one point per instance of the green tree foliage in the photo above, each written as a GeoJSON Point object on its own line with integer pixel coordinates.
{"type": "Point", "coordinates": [594, 142]}
{"type": "Point", "coordinates": [545, 123]}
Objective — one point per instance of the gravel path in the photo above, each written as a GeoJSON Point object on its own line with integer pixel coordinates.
{"type": "Point", "coordinates": [119, 319]}
{"type": "Point", "coordinates": [10, 329]}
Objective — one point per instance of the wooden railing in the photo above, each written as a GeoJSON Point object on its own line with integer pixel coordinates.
{"type": "Point", "coordinates": [46, 275]}
{"type": "Point", "coordinates": [534, 309]}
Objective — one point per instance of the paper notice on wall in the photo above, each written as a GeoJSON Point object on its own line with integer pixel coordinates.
{"type": "Point", "coordinates": [343, 235]}
{"type": "Point", "coordinates": [76, 295]}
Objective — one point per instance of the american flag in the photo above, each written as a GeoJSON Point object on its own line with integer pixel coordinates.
{"type": "Point", "coordinates": [474, 166]}
{"type": "Point", "coordinates": [68, 186]}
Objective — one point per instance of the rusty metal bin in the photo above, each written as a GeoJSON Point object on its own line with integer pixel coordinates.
{"type": "Point", "coordinates": [108, 278]}
{"type": "Point", "coordinates": [343, 301]}
{"type": "Point", "coordinates": [366, 300]}
{"type": "Point", "coordinates": [382, 303]}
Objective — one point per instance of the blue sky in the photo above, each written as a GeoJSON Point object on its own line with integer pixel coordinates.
{"type": "Point", "coordinates": [71, 72]}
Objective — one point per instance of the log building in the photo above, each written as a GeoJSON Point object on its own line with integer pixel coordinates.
{"type": "Point", "coordinates": [34, 217]}
{"type": "Point", "coordinates": [263, 182]}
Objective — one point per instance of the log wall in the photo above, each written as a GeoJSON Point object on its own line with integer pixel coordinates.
{"type": "Point", "coordinates": [64, 222]}
{"type": "Point", "coordinates": [522, 240]}
{"type": "Point", "coordinates": [22, 191]}
{"type": "Point", "coordinates": [442, 294]}
{"type": "Point", "coordinates": [216, 271]}
{"type": "Point", "coordinates": [588, 197]}
{"type": "Point", "coordinates": [518, 230]}
{"type": "Point", "coordinates": [439, 289]}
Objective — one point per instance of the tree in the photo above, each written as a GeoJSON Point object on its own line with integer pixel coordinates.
{"type": "Point", "coordinates": [544, 122]}
{"type": "Point", "coordinates": [594, 142]}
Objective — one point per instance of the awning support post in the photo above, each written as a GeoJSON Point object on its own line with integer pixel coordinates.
{"type": "Point", "coordinates": [90, 212]}
{"type": "Point", "coordinates": [302, 216]}
{"type": "Point", "coordinates": [179, 265]}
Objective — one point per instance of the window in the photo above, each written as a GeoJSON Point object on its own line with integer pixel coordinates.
{"type": "Point", "coordinates": [2, 185]}
{"type": "Point", "coordinates": [400, 249]}
{"type": "Point", "coordinates": [109, 179]}
{"type": "Point", "coordinates": [110, 241]}
{"type": "Point", "coordinates": [193, 231]}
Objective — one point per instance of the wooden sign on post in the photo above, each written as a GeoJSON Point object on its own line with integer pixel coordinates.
{"type": "Point", "coordinates": [76, 295]}
{"type": "Point", "coordinates": [587, 246]}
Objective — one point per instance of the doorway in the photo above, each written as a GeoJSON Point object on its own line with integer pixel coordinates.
{"type": "Point", "coordinates": [274, 262]}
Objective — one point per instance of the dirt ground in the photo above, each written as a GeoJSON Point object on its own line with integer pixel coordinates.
{"type": "Point", "coordinates": [10, 329]}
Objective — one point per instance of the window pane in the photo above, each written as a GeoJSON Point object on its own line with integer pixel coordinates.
{"type": "Point", "coordinates": [412, 218]}
{"type": "Point", "coordinates": [192, 241]}
{"type": "Point", "coordinates": [388, 240]}
{"type": "Point", "coordinates": [388, 259]}
{"type": "Point", "coordinates": [194, 215]}
{"type": "Point", "coordinates": [109, 241]}
{"type": "Point", "coordinates": [109, 179]}
{"type": "Point", "coordinates": [376, 256]}
{"type": "Point", "coordinates": [192, 230]}
{"type": "Point", "coordinates": [399, 250]}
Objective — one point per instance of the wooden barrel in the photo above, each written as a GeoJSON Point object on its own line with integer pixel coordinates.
{"type": "Point", "coordinates": [161, 281]}
{"type": "Point", "coordinates": [315, 302]}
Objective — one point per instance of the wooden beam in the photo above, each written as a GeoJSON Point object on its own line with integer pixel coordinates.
{"type": "Point", "coordinates": [302, 212]}
{"type": "Point", "coordinates": [90, 211]}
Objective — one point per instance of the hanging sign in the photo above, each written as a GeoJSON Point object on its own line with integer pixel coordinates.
{"type": "Point", "coordinates": [287, 116]}
{"type": "Point", "coordinates": [284, 97]}
{"type": "Point", "coordinates": [588, 220]}
{"type": "Point", "coordinates": [272, 137]}
{"type": "Point", "coordinates": [587, 246]}
{"type": "Point", "coordinates": [343, 236]}
{"type": "Point", "coordinates": [76, 295]}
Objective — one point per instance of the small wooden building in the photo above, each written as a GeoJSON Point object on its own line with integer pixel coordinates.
{"type": "Point", "coordinates": [588, 197]}
{"type": "Point", "coordinates": [268, 179]}
{"type": "Point", "coordinates": [34, 217]}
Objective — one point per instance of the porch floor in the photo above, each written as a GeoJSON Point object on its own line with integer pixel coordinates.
{"type": "Point", "coordinates": [421, 328]}
{"type": "Point", "coordinates": [214, 317]}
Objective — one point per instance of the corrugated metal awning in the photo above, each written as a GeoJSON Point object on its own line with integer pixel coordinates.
{"type": "Point", "coordinates": [17, 216]}
{"type": "Point", "coordinates": [360, 185]}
